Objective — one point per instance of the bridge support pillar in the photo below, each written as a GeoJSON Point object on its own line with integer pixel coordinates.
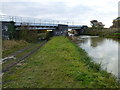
{"type": "Point", "coordinates": [61, 30]}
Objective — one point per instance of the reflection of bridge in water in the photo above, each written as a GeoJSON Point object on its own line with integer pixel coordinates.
{"type": "Point", "coordinates": [58, 27]}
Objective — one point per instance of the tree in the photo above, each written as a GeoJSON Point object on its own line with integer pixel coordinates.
{"type": "Point", "coordinates": [96, 24]}
{"type": "Point", "coordinates": [27, 34]}
{"type": "Point", "coordinates": [100, 25]}
{"type": "Point", "coordinates": [116, 23]}
{"type": "Point", "coordinates": [11, 30]}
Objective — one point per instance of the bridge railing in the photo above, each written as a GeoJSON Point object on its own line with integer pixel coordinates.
{"type": "Point", "coordinates": [32, 20]}
{"type": "Point", "coordinates": [35, 24]}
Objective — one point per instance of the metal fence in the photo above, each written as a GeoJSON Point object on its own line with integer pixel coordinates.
{"type": "Point", "coordinates": [32, 20]}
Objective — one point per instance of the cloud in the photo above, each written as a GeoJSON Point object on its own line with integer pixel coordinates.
{"type": "Point", "coordinates": [79, 11]}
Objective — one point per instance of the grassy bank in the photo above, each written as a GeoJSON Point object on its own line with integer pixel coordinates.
{"type": "Point", "coordinates": [106, 32]}
{"type": "Point", "coordinates": [58, 64]}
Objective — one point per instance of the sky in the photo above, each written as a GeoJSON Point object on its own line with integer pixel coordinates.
{"type": "Point", "coordinates": [78, 11]}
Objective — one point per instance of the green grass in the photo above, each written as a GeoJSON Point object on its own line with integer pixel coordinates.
{"type": "Point", "coordinates": [59, 64]}
{"type": "Point", "coordinates": [5, 64]}
{"type": "Point", "coordinates": [116, 33]}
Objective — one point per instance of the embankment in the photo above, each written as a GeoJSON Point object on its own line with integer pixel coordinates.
{"type": "Point", "coordinates": [106, 32]}
{"type": "Point", "coordinates": [59, 64]}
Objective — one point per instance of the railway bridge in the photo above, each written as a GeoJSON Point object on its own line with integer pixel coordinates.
{"type": "Point", "coordinates": [19, 23]}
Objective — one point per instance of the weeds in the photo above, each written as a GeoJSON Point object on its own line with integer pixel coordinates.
{"type": "Point", "coordinates": [10, 46]}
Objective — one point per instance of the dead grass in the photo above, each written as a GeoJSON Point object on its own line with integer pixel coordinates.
{"type": "Point", "coordinates": [9, 44]}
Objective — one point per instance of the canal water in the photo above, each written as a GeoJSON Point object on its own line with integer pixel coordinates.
{"type": "Point", "coordinates": [102, 50]}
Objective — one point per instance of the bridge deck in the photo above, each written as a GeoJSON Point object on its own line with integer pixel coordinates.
{"type": "Point", "coordinates": [37, 23]}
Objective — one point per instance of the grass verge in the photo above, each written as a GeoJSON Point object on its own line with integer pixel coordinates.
{"type": "Point", "coordinates": [10, 46]}
{"type": "Point", "coordinates": [106, 32]}
{"type": "Point", "coordinates": [20, 55]}
{"type": "Point", "coordinates": [59, 64]}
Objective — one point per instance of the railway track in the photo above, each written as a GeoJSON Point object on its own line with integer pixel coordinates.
{"type": "Point", "coordinates": [12, 56]}
{"type": "Point", "coordinates": [19, 59]}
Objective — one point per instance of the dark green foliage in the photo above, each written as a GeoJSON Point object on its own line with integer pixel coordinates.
{"type": "Point", "coordinates": [11, 30]}
{"type": "Point", "coordinates": [116, 23]}
{"type": "Point", "coordinates": [48, 35]}
{"type": "Point", "coordinates": [30, 36]}
{"type": "Point", "coordinates": [33, 35]}
{"type": "Point", "coordinates": [106, 32]}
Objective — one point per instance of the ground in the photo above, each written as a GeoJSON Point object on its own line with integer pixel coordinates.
{"type": "Point", "coordinates": [58, 64]}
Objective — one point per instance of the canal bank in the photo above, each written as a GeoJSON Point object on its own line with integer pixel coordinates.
{"type": "Point", "coordinates": [105, 32]}
{"type": "Point", "coordinates": [102, 50]}
{"type": "Point", "coordinates": [59, 64]}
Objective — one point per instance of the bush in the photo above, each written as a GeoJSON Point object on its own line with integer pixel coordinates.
{"type": "Point", "coordinates": [27, 35]}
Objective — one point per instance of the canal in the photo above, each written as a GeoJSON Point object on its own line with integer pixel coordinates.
{"type": "Point", "coordinates": [102, 50]}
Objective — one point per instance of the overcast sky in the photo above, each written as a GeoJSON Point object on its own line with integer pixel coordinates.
{"type": "Point", "coordinates": [79, 11]}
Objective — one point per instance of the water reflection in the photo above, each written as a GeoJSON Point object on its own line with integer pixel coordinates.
{"type": "Point", "coordinates": [102, 50]}
{"type": "Point", "coordinates": [96, 41]}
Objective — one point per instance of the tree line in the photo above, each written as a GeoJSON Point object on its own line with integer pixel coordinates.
{"type": "Point", "coordinates": [98, 25]}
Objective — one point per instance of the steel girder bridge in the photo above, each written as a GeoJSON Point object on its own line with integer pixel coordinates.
{"type": "Point", "coordinates": [36, 23]}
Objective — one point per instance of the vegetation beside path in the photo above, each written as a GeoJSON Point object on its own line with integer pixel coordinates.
{"type": "Point", "coordinates": [58, 64]}
{"type": "Point", "coordinates": [11, 46]}
{"type": "Point", "coordinates": [106, 32]}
